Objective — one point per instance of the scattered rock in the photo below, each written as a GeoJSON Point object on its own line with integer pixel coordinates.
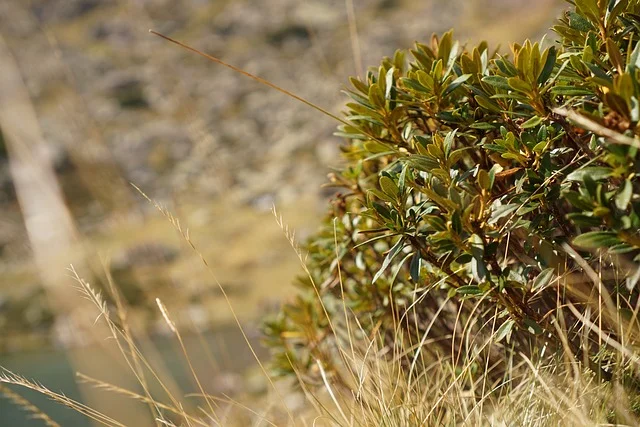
{"type": "Point", "coordinates": [115, 32]}
{"type": "Point", "coordinates": [291, 34]}
{"type": "Point", "coordinates": [64, 10]}
{"type": "Point", "coordinates": [149, 153]}
{"type": "Point", "coordinates": [127, 89]}
{"type": "Point", "coordinates": [145, 254]}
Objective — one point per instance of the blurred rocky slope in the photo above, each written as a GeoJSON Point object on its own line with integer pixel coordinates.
{"type": "Point", "coordinates": [174, 122]}
{"type": "Point", "coordinates": [118, 105]}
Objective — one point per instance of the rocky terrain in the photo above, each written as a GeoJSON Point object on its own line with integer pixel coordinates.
{"type": "Point", "coordinates": [117, 105]}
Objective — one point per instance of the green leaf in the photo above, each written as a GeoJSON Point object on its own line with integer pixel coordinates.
{"type": "Point", "coordinates": [570, 91]}
{"type": "Point", "coordinates": [485, 103]}
{"type": "Point", "coordinates": [469, 290]}
{"type": "Point", "coordinates": [422, 163]}
{"type": "Point", "coordinates": [614, 55]}
{"type": "Point", "coordinates": [596, 239]}
{"type": "Point", "coordinates": [506, 67]}
{"type": "Point", "coordinates": [548, 65]}
{"type": "Point", "coordinates": [582, 220]}
{"type": "Point", "coordinates": [502, 211]}
{"type": "Point", "coordinates": [465, 258]}
{"type": "Point", "coordinates": [425, 80]}
{"type": "Point", "coordinates": [482, 126]}
{"type": "Point", "coordinates": [389, 187]}
{"type": "Point", "coordinates": [398, 267]}
{"type": "Point", "coordinates": [382, 195]}
{"type": "Point", "coordinates": [413, 84]}
{"type": "Point", "coordinates": [478, 267]}
{"type": "Point", "coordinates": [624, 196]}
{"type": "Point", "coordinates": [356, 83]}
{"type": "Point", "coordinates": [448, 141]}
{"type": "Point", "coordinates": [390, 88]}
{"type": "Point", "coordinates": [504, 331]}
{"type": "Point", "coordinates": [578, 201]}
{"type": "Point", "coordinates": [578, 22]}
{"type": "Point", "coordinates": [532, 122]}
{"type": "Point", "coordinates": [389, 84]}
{"type": "Point", "coordinates": [456, 84]}
{"type": "Point", "coordinates": [456, 222]}
{"type": "Point", "coordinates": [633, 61]}
{"type": "Point", "coordinates": [414, 268]}
{"type": "Point", "coordinates": [376, 147]}
{"type": "Point", "coordinates": [395, 250]}
{"type": "Point", "coordinates": [532, 326]}
{"type": "Point", "coordinates": [596, 173]}
{"type": "Point", "coordinates": [519, 85]}
{"type": "Point", "coordinates": [621, 248]}
{"type": "Point", "coordinates": [382, 210]}
{"type": "Point", "coordinates": [587, 54]}
{"type": "Point", "coordinates": [441, 201]}
{"type": "Point", "coordinates": [402, 179]}
{"type": "Point", "coordinates": [497, 82]}
{"type": "Point", "coordinates": [543, 279]}
{"type": "Point", "coordinates": [435, 222]}
{"type": "Point", "coordinates": [484, 180]}
{"type": "Point", "coordinates": [376, 98]}
{"type": "Point", "coordinates": [511, 95]}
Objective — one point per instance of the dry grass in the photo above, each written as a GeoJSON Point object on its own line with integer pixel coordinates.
{"type": "Point", "coordinates": [374, 384]}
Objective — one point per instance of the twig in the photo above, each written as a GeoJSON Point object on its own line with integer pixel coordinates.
{"type": "Point", "coordinates": [598, 129]}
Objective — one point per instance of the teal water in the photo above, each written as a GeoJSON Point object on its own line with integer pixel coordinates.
{"type": "Point", "coordinates": [53, 370]}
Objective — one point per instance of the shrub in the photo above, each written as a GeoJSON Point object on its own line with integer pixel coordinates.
{"type": "Point", "coordinates": [489, 207]}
